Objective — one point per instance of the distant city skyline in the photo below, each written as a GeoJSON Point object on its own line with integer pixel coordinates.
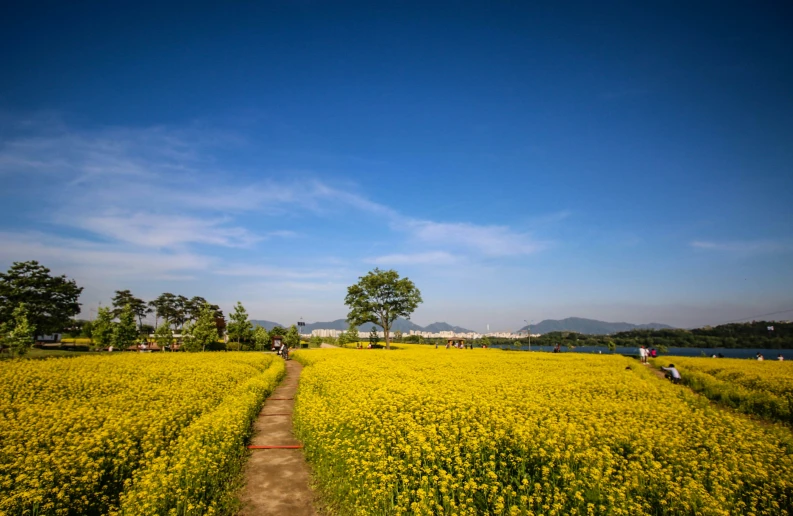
{"type": "Point", "coordinates": [613, 161]}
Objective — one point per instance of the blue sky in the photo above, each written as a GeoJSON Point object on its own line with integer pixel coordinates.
{"type": "Point", "coordinates": [621, 161]}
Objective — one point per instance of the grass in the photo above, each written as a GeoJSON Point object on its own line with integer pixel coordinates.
{"type": "Point", "coordinates": [762, 389]}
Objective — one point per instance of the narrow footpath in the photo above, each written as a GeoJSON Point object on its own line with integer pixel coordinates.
{"type": "Point", "coordinates": [277, 479]}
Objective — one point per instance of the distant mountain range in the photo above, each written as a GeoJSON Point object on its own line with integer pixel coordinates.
{"type": "Point", "coordinates": [268, 325]}
{"type": "Point", "coordinates": [442, 326]}
{"type": "Point", "coordinates": [400, 324]}
{"type": "Point", "coordinates": [590, 326]}
{"type": "Point", "coordinates": [576, 324]}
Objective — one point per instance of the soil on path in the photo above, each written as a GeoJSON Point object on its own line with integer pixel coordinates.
{"type": "Point", "coordinates": [277, 480]}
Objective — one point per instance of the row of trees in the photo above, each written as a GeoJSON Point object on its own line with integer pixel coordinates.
{"type": "Point", "coordinates": [200, 324]}
{"type": "Point", "coordinates": [34, 302]}
{"type": "Point", "coordinates": [755, 334]}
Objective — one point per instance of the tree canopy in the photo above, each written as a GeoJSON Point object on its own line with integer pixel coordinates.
{"type": "Point", "coordinates": [261, 338]}
{"type": "Point", "coordinates": [125, 331]}
{"type": "Point", "coordinates": [102, 331]}
{"type": "Point", "coordinates": [239, 327]}
{"type": "Point", "coordinates": [203, 331]}
{"type": "Point", "coordinates": [50, 301]}
{"type": "Point", "coordinates": [163, 335]}
{"type": "Point", "coordinates": [292, 338]}
{"type": "Point", "coordinates": [139, 307]}
{"type": "Point", "coordinates": [18, 334]}
{"type": "Point", "coordinates": [381, 297]}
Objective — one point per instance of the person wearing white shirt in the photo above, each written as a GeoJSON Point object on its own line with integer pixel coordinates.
{"type": "Point", "coordinates": [672, 373]}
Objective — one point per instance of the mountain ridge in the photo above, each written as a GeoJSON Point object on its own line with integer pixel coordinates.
{"type": "Point", "coordinates": [400, 324]}
{"type": "Point", "coordinates": [590, 326]}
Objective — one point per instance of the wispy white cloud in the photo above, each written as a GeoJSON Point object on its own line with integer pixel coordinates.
{"type": "Point", "coordinates": [99, 259]}
{"type": "Point", "coordinates": [266, 271]}
{"type": "Point", "coordinates": [744, 246]}
{"type": "Point", "coordinates": [489, 240]}
{"type": "Point", "coordinates": [164, 231]}
{"type": "Point", "coordinates": [485, 240]}
{"type": "Point", "coordinates": [311, 286]}
{"type": "Point", "coordinates": [156, 200]}
{"type": "Point", "coordinates": [431, 257]}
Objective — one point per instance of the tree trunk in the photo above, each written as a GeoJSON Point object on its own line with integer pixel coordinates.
{"type": "Point", "coordinates": [386, 332]}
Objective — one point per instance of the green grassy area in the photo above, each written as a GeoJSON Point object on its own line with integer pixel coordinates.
{"type": "Point", "coordinates": [48, 353]}
{"type": "Point", "coordinates": [80, 340]}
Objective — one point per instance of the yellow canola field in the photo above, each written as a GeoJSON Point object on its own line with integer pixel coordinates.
{"type": "Point", "coordinates": [128, 433]}
{"type": "Point", "coordinates": [763, 388]}
{"type": "Point", "coordinates": [435, 431]}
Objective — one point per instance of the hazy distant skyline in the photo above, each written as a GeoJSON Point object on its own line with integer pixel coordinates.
{"type": "Point", "coordinates": [614, 161]}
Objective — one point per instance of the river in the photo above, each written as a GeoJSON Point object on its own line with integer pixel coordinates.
{"type": "Point", "coordinates": [768, 354]}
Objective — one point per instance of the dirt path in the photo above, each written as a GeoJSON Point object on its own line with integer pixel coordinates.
{"type": "Point", "coordinates": [277, 480]}
{"type": "Point", "coordinates": [660, 374]}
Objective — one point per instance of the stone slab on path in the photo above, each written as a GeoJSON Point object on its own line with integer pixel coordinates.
{"type": "Point", "coordinates": [277, 481]}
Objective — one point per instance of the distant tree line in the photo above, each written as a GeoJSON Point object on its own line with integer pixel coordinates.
{"type": "Point", "coordinates": [33, 302]}
{"type": "Point", "coordinates": [755, 334]}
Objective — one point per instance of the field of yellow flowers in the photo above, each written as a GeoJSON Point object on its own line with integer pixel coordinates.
{"type": "Point", "coordinates": [762, 388]}
{"type": "Point", "coordinates": [435, 431]}
{"type": "Point", "coordinates": [128, 433]}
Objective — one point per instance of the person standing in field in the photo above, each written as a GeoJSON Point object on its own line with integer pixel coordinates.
{"type": "Point", "coordinates": [642, 355]}
{"type": "Point", "coordinates": [760, 357]}
{"type": "Point", "coordinates": [780, 357]}
{"type": "Point", "coordinates": [653, 353]}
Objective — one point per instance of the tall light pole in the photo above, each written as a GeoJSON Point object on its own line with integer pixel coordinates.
{"type": "Point", "coordinates": [528, 332]}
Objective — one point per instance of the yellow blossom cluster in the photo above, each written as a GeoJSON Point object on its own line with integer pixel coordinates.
{"type": "Point", "coordinates": [763, 388]}
{"type": "Point", "coordinates": [76, 433]}
{"type": "Point", "coordinates": [435, 431]}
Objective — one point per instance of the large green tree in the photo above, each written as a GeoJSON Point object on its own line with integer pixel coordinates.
{"type": "Point", "coordinates": [18, 334]}
{"type": "Point", "coordinates": [381, 297]}
{"type": "Point", "coordinates": [351, 336]}
{"type": "Point", "coordinates": [164, 307]}
{"type": "Point", "coordinates": [239, 327]}
{"type": "Point", "coordinates": [102, 330]}
{"type": "Point", "coordinates": [125, 332]}
{"type": "Point", "coordinates": [292, 338]}
{"type": "Point", "coordinates": [181, 306]}
{"type": "Point", "coordinates": [50, 301]}
{"type": "Point", "coordinates": [163, 335]}
{"type": "Point", "coordinates": [138, 306]}
{"type": "Point", "coordinates": [202, 332]}
{"type": "Point", "coordinates": [261, 338]}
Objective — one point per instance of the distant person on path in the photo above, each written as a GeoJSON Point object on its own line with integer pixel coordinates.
{"type": "Point", "coordinates": [760, 357]}
{"type": "Point", "coordinates": [780, 357]}
{"type": "Point", "coordinates": [653, 353]}
{"type": "Point", "coordinates": [643, 354]}
{"type": "Point", "coordinates": [672, 373]}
